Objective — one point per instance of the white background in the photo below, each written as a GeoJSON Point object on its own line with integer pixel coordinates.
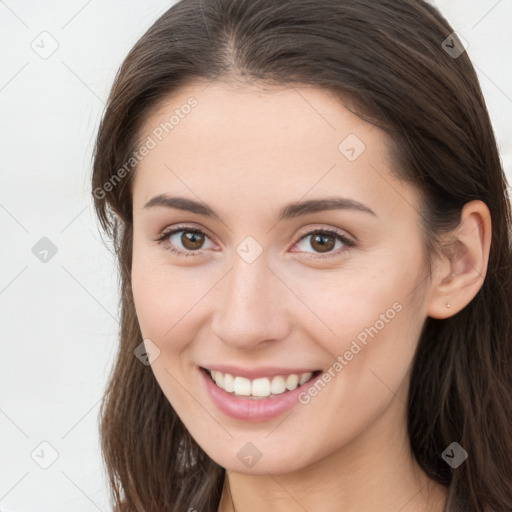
{"type": "Point", "coordinates": [59, 319]}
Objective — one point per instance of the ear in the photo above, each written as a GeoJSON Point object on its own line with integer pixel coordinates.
{"type": "Point", "coordinates": [460, 272]}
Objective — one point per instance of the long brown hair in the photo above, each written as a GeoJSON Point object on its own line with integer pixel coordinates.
{"type": "Point", "coordinates": [391, 60]}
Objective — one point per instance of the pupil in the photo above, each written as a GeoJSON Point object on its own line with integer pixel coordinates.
{"type": "Point", "coordinates": [324, 247]}
{"type": "Point", "coordinates": [192, 238]}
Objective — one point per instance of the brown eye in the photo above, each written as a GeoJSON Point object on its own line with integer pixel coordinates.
{"type": "Point", "coordinates": [323, 242]}
{"type": "Point", "coordinates": [192, 240]}
{"type": "Point", "coordinates": [184, 241]}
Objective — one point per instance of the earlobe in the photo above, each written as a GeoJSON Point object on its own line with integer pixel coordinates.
{"type": "Point", "coordinates": [464, 264]}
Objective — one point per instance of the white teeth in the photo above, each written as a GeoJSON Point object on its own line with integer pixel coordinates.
{"type": "Point", "coordinates": [219, 379]}
{"type": "Point", "coordinates": [305, 377]}
{"type": "Point", "coordinates": [229, 383]}
{"type": "Point", "coordinates": [242, 386]}
{"type": "Point", "coordinates": [292, 382]}
{"type": "Point", "coordinates": [261, 387]}
{"type": "Point", "coordinates": [278, 385]}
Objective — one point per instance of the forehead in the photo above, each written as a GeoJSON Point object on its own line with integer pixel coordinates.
{"type": "Point", "coordinates": [255, 145]}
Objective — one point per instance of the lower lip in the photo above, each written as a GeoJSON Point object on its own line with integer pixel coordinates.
{"type": "Point", "coordinates": [246, 409]}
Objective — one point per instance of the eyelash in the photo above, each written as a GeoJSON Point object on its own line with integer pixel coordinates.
{"type": "Point", "coordinates": [163, 237]}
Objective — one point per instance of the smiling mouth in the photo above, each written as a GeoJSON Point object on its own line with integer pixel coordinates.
{"type": "Point", "coordinates": [260, 388]}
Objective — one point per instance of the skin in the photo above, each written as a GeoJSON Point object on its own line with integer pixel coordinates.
{"type": "Point", "coordinates": [246, 152]}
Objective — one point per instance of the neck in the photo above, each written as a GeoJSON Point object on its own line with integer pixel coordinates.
{"type": "Point", "coordinates": [374, 472]}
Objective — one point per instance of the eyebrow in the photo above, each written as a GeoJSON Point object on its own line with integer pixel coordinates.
{"type": "Point", "coordinates": [289, 211]}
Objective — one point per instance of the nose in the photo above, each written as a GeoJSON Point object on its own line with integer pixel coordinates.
{"type": "Point", "coordinates": [251, 307]}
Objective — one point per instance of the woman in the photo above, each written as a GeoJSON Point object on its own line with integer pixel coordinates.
{"type": "Point", "coordinates": [313, 233]}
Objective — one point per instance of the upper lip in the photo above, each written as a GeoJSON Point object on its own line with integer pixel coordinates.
{"type": "Point", "coordinates": [255, 373]}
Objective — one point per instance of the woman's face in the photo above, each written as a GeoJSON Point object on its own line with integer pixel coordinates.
{"type": "Point", "coordinates": [257, 294]}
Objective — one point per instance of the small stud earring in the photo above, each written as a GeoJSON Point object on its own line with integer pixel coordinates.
{"type": "Point", "coordinates": [448, 306]}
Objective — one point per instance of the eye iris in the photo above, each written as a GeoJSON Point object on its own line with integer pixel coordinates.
{"type": "Point", "coordinates": [192, 237]}
{"type": "Point", "coordinates": [321, 242]}
{"type": "Point", "coordinates": [323, 247]}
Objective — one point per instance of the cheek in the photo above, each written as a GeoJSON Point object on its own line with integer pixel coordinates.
{"type": "Point", "coordinates": [358, 302]}
{"type": "Point", "coordinates": [155, 295]}
{"type": "Point", "coordinates": [167, 299]}
{"type": "Point", "coordinates": [369, 318]}
{"type": "Point", "coordinates": [344, 305]}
